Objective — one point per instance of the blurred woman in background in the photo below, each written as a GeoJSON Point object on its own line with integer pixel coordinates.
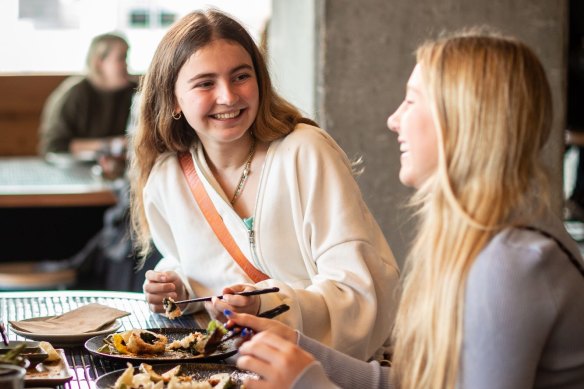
{"type": "Point", "coordinates": [87, 114]}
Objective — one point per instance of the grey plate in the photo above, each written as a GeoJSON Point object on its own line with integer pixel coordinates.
{"type": "Point", "coordinates": [199, 371]}
{"type": "Point", "coordinates": [228, 349]}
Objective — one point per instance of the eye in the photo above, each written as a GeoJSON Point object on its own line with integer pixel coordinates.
{"type": "Point", "coordinates": [241, 77]}
{"type": "Point", "coordinates": [204, 84]}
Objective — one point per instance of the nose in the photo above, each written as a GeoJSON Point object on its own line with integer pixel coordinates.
{"type": "Point", "coordinates": [393, 120]}
{"type": "Point", "coordinates": [226, 94]}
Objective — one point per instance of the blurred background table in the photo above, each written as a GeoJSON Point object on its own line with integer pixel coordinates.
{"type": "Point", "coordinates": [34, 182]}
{"type": "Point", "coordinates": [85, 368]}
{"type": "Point", "coordinates": [49, 211]}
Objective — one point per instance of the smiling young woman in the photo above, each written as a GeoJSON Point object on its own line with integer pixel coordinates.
{"type": "Point", "coordinates": [238, 191]}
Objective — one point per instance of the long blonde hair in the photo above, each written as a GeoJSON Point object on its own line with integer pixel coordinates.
{"type": "Point", "coordinates": [158, 132]}
{"type": "Point", "coordinates": [491, 104]}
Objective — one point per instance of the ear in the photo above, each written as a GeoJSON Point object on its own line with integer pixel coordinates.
{"type": "Point", "coordinates": [176, 109]}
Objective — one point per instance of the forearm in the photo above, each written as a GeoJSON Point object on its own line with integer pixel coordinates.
{"type": "Point", "coordinates": [80, 145]}
{"type": "Point", "coordinates": [345, 371]}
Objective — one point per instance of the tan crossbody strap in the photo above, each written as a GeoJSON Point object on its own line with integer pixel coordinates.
{"type": "Point", "coordinates": [214, 219]}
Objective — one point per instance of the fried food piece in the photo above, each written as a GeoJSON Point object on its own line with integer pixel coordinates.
{"type": "Point", "coordinates": [145, 342]}
{"type": "Point", "coordinates": [125, 379]}
{"type": "Point", "coordinates": [49, 349]}
{"type": "Point", "coordinates": [171, 309]}
{"type": "Point", "coordinates": [154, 376]}
{"type": "Point", "coordinates": [188, 342]}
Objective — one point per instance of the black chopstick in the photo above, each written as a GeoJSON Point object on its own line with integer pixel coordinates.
{"type": "Point", "coordinates": [249, 293]}
{"type": "Point", "coordinates": [272, 313]}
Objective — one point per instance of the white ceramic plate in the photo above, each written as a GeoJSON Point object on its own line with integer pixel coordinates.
{"type": "Point", "coordinates": [71, 339]}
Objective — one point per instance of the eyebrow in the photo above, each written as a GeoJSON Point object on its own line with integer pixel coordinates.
{"type": "Point", "coordinates": [412, 88]}
{"type": "Point", "coordinates": [214, 75]}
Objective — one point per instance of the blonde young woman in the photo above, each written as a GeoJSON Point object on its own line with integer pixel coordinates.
{"type": "Point", "coordinates": [85, 114]}
{"type": "Point", "coordinates": [283, 188]}
{"type": "Point", "coordinates": [493, 292]}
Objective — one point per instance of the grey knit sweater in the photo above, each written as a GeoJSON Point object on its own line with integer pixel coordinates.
{"type": "Point", "coordinates": [523, 323]}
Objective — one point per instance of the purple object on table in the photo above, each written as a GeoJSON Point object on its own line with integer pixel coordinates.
{"type": "Point", "coordinates": [3, 332]}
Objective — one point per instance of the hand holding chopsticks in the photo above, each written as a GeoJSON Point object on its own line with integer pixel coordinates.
{"type": "Point", "coordinates": [217, 338]}
{"type": "Point", "coordinates": [248, 293]}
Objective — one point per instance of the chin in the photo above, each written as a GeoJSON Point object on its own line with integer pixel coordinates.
{"type": "Point", "coordinates": [407, 180]}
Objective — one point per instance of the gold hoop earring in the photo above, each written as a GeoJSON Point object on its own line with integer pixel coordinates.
{"type": "Point", "coordinates": [177, 116]}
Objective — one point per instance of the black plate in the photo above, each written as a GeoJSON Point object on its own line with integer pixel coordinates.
{"type": "Point", "coordinates": [228, 348]}
{"type": "Point", "coordinates": [199, 371]}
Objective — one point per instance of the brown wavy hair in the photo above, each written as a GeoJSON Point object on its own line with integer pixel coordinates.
{"type": "Point", "coordinates": [157, 132]}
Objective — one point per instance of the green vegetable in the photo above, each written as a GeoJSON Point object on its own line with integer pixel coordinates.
{"type": "Point", "coordinates": [13, 356]}
{"type": "Point", "coordinates": [216, 325]}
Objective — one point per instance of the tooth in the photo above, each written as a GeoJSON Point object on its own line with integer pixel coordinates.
{"type": "Point", "coordinates": [229, 115]}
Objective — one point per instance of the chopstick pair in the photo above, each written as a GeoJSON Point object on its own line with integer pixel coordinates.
{"type": "Point", "coordinates": [213, 343]}
{"type": "Point", "coordinates": [249, 293]}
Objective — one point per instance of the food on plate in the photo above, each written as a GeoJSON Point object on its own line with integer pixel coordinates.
{"type": "Point", "coordinates": [139, 342]}
{"type": "Point", "coordinates": [145, 342]}
{"type": "Point", "coordinates": [50, 350]}
{"type": "Point", "coordinates": [14, 356]}
{"type": "Point", "coordinates": [171, 309]}
{"type": "Point", "coordinates": [147, 378]}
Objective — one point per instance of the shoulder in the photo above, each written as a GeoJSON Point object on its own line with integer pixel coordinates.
{"type": "Point", "coordinates": [70, 87]}
{"type": "Point", "coordinates": [130, 89]}
{"type": "Point", "coordinates": [522, 259]}
{"type": "Point", "coordinates": [305, 132]}
{"type": "Point", "coordinates": [310, 141]}
{"type": "Point", "coordinates": [516, 249]}
{"type": "Point", "coordinates": [165, 162]}
{"type": "Point", "coordinates": [78, 85]}
{"type": "Point", "coordinates": [163, 173]}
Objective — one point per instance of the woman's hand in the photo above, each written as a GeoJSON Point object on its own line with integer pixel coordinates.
{"type": "Point", "coordinates": [231, 302]}
{"type": "Point", "coordinates": [163, 284]}
{"type": "Point", "coordinates": [277, 361]}
{"type": "Point", "coordinates": [258, 324]}
{"type": "Point", "coordinates": [272, 353]}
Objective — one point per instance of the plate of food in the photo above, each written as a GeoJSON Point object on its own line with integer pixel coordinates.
{"type": "Point", "coordinates": [162, 376]}
{"type": "Point", "coordinates": [45, 365]}
{"type": "Point", "coordinates": [53, 371]}
{"type": "Point", "coordinates": [162, 345]}
{"type": "Point", "coordinates": [25, 349]}
{"type": "Point", "coordinates": [70, 339]}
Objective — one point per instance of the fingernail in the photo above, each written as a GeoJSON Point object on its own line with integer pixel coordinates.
{"type": "Point", "coordinates": [227, 312]}
{"type": "Point", "coordinates": [244, 332]}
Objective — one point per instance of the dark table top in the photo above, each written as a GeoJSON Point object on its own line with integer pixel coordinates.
{"type": "Point", "coordinates": [84, 366]}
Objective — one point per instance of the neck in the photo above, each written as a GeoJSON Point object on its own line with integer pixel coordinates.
{"type": "Point", "coordinates": [225, 158]}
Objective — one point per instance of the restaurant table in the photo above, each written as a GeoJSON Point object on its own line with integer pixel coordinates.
{"type": "Point", "coordinates": [43, 204]}
{"type": "Point", "coordinates": [85, 367]}
{"type": "Point", "coordinates": [34, 182]}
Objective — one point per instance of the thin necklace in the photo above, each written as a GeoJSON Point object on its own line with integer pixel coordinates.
{"type": "Point", "coordinates": [245, 173]}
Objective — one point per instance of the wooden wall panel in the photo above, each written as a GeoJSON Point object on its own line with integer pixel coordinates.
{"type": "Point", "coordinates": [21, 102]}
